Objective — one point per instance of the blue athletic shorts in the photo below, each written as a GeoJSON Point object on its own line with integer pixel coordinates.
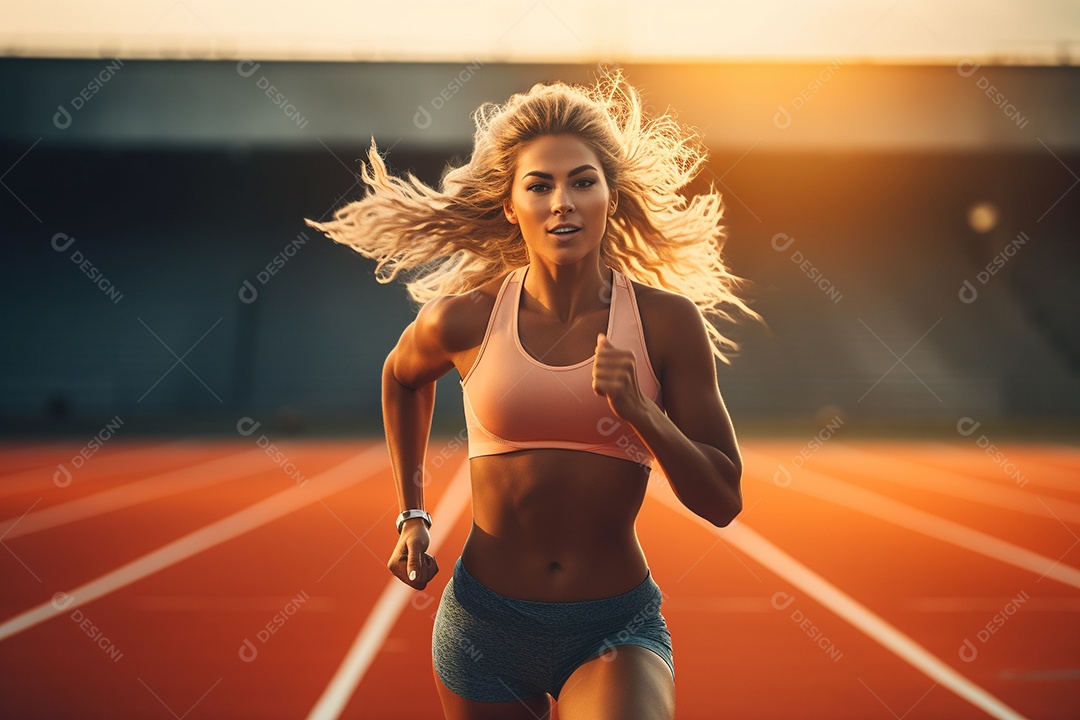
{"type": "Point", "coordinates": [492, 648]}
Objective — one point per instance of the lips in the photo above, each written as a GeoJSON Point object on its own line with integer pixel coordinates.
{"type": "Point", "coordinates": [563, 230]}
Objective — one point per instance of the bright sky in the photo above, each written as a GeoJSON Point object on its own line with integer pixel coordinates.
{"type": "Point", "coordinates": [1035, 31]}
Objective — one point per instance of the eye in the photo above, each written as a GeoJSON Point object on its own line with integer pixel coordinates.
{"type": "Point", "coordinates": [585, 182]}
{"type": "Point", "coordinates": [537, 187]}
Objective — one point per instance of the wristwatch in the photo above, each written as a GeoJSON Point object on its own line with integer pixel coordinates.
{"type": "Point", "coordinates": [409, 514]}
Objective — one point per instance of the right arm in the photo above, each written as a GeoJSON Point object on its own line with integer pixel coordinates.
{"type": "Point", "coordinates": [408, 399]}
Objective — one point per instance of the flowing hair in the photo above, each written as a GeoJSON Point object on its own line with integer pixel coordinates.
{"type": "Point", "coordinates": [454, 239]}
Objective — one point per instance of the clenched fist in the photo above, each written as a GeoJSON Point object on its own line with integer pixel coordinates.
{"type": "Point", "coordinates": [615, 377]}
{"type": "Point", "coordinates": [410, 562]}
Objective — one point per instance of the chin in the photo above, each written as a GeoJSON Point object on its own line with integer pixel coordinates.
{"type": "Point", "coordinates": [572, 254]}
{"type": "Point", "coordinates": [567, 258]}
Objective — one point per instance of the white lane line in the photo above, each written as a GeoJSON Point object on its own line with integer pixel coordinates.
{"type": "Point", "coordinates": [1034, 472]}
{"type": "Point", "coordinates": [276, 506]}
{"type": "Point", "coordinates": [988, 605]}
{"type": "Point", "coordinates": [174, 482]}
{"type": "Point", "coordinates": [945, 482]}
{"type": "Point", "coordinates": [846, 608]}
{"type": "Point", "coordinates": [389, 606]}
{"type": "Point", "coordinates": [838, 492]}
{"type": "Point", "coordinates": [50, 476]}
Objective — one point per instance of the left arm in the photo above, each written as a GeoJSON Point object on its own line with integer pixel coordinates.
{"type": "Point", "coordinates": [694, 441]}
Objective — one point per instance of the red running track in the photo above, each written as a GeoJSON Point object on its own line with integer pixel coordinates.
{"type": "Point", "coordinates": [209, 579]}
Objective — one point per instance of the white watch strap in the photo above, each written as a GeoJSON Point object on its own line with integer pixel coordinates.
{"type": "Point", "coordinates": [409, 514]}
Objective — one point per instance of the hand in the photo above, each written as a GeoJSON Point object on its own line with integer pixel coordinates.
{"type": "Point", "coordinates": [409, 556]}
{"type": "Point", "coordinates": [615, 377]}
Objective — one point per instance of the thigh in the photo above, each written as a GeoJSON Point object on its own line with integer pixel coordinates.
{"type": "Point", "coordinates": [482, 653]}
{"type": "Point", "coordinates": [625, 682]}
{"type": "Point", "coordinates": [456, 707]}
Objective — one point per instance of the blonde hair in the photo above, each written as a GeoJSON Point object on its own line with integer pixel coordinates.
{"type": "Point", "coordinates": [455, 239]}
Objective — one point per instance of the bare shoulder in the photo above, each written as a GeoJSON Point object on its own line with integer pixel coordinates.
{"type": "Point", "coordinates": [675, 333]}
{"type": "Point", "coordinates": [458, 322]}
{"type": "Point", "coordinates": [667, 314]}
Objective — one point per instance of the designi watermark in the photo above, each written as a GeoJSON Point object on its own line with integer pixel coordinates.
{"type": "Point", "coordinates": [609, 648]}
{"type": "Point", "coordinates": [782, 601]}
{"type": "Point", "coordinates": [249, 651]}
{"type": "Point", "coordinates": [63, 117]}
{"type": "Point", "coordinates": [782, 117]}
{"type": "Point", "coordinates": [968, 292]}
{"type": "Point", "coordinates": [247, 426]}
{"type": "Point", "coordinates": [422, 600]}
{"type": "Point", "coordinates": [248, 292]}
{"type": "Point", "coordinates": [781, 242]}
{"type": "Point", "coordinates": [61, 242]}
{"type": "Point", "coordinates": [968, 650]}
{"type": "Point", "coordinates": [62, 477]}
{"type": "Point", "coordinates": [782, 476]}
{"type": "Point", "coordinates": [966, 68]}
{"type": "Point", "coordinates": [247, 68]}
{"type": "Point", "coordinates": [422, 118]}
{"type": "Point", "coordinates": [630, 444]}
{"type": "Point", "coordinates": [62, 601]}
{"type": "Point", "coordinates": [967, 426]}
{"type": "Point", "coordinates": [423, 477]}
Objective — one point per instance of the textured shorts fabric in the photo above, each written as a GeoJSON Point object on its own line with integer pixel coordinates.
{"type": "Point", "coordinates": [492, 648]}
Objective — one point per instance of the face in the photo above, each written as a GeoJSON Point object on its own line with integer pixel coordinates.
{"type": "Point", "coordinates": [560, 199]}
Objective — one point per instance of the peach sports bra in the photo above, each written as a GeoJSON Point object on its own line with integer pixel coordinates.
{"type": "Point", "coordinates": [514, 401]}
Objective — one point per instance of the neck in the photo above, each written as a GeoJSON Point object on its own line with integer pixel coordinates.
{"type": "Point", "coordinates": [569, 291]}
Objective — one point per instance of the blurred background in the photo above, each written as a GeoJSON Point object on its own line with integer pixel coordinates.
{"type": "Point", "coordinates": [900, 182]}
{"type": "Point", "coordinates": [902, 190]}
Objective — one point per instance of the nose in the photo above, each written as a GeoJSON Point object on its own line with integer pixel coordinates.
{"type": "Point", "coordinates": [561, 204]}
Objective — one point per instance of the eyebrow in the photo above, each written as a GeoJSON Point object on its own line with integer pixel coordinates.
{"type": "Point", "coordinates": [549, 176]}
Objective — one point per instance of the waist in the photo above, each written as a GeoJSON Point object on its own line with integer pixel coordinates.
{"type": "Point", "coordinates": [589, 573]}
{"type": "Point", "coordinates": [555, 524]}
{"type": "Point", "coordinates": [474, 594]}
